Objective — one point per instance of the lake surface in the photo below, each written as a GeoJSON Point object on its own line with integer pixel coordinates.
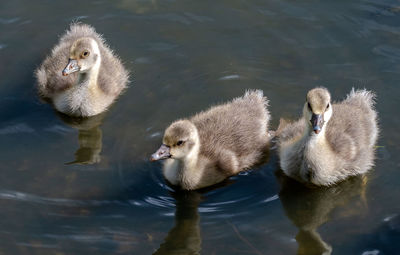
{"type": "Point", "coordinates": [70, 186]}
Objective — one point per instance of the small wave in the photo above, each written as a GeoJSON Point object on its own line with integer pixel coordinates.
{"type": "Point", "coordinates": [78, 18]}
{"type": "Point", "coordinates": [9, 21]}
{"type": "Point", "coordinates": [387, 51]}
{"type": "Point", "coordinates": [270, 199]}
{"type": "Point", "coordinates": [58, 129]}
{"type": "Point", "coordinates": [389, 218]}
{"type": "Point", "coordinates": [15, 129]}
{"type": "Point", "coordinates": [229, 202]}
{"type": "Point", "coordinates": [142, 60]}
{"type": "Point", "coordinates": [80, 238]}
{"type": "Point", "coordinates": [25, 197]}
{"type": "Point", "coordinates": [198, 18]}
{"type": "Point", "coordinates": [373, 252]}
{"type": "Point", "coordinates": [166, 202]}
{"type": "Point", "coordinates": [38, 245]}
{"type": "Point", "coordinates": [208, 209]}
{"type": "Point", "coordinates": [229, 77]}
{"type": "Point", "coordinates": [156, 134]}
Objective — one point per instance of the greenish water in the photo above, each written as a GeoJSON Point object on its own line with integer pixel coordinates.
{"type": "Point", "coordinates": [70, 186]}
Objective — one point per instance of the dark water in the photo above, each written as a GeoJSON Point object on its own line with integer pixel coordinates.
{"type": "Point", "coordinates": [70, 186]}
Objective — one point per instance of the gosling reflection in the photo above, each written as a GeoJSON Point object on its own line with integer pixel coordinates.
{"type": "Point", "coordinates": [310, 207]}
{"type": "Point", "coordinates": [184, 238]}
{"type": "Point", "coordinates": [89, 137]}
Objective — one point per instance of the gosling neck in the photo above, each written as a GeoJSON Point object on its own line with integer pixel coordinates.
{"type": "Point", "coordinates": [192, 158]}
{"type": "Point", "coordinates": [89, 77]}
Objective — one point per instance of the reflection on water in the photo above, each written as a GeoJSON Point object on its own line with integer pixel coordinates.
{"type": "Point", "coordinates": [184, 237]}
{"type": "Point", "coordinates": [310, 207]}
{"type": "Point", "coordinates": [89, 137]}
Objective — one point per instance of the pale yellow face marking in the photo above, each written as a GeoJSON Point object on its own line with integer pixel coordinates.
{"type": "Point", "coordinates": [318, 99]}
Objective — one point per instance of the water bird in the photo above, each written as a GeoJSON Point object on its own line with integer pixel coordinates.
{"type": "Point", "coordinates": [212, 145]}
{"type": "Point", "coordinates": [81, 76]}
{"type": "Point", "coordinates": [332, 141]}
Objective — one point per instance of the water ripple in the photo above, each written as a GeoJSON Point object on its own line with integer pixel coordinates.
{"type": "Point", "coordinates": [9, 21]}
{"type": "Point", "coordinates": [59, 129]}
{"type": "Point", "coordinates": [229, 77]}
{"type": "Point", "coordinates": [79, 18]}
{"type": "Point", "coordinates": [16, 129]}
{"type": "Point", "coordinates": [161, 201]}
{"type": "Point", "coordinates": [208, 209]}
{"type": "Point", "coordinates": [142, 60]}
{"type": "Point", "coordinates": [387, 51]}
{"type": "Point", "coordinates": [229, 202]}
{"type": "Point", "coordinates": [38, 245]}
{"type": "Point", "coordinates": [25, 197]}
{"type": "Point", "coordinates": [373, 252]}
{"type": "Point", "coordinates": [389, 218]}
{"type": "Point", "coordinates": [270, 199]}
{"type": "Point", "coordinates": [198, 18]}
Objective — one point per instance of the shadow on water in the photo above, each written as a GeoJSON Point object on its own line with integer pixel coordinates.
{"type": "Point", "coordinates": [311, 207]}
{"type": "Point", "coordinates": [185, 236]}
{"type": "Point", "coordinates": [90, 137]}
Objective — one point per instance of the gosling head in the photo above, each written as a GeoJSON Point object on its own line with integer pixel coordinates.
{"type": "Point", "coordinates": [317, 110]}
{"type": "Point", "coordinates": [83, 55]}
{"type": "Point", "coordinates": [179, 140]}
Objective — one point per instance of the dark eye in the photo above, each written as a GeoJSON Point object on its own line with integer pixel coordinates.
{"type": "Point", "coordinates": [85, 54]}
{"type": "Point", "coordinates": [179, 143]}
{"type": "Point", "coordinates": [309, 106]}
{"type": "Point", "coordinates": [327, 106]}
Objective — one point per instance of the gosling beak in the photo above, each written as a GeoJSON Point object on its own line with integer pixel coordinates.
{"type": "Point", "coordinates": [161, 153]}
{"type": "Point", "coordinates": [317, 121]}
{"type": "Point", "coordinates": [71, 67]}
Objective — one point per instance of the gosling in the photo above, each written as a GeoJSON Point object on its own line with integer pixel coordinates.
{"type": "Point", "coordinates": [215, 144]}
{"type": "Point", "coordinates": [81, 76]}
{"type": "Point", "coordinates": [331, 141]}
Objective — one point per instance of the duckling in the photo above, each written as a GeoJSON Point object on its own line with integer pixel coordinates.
{"type": "Point", "coordinates": [331, 141]}
{"type": "Point", "coordinates": [215, 144]}
{"type": "Point", "coordinates": [81, 76]}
